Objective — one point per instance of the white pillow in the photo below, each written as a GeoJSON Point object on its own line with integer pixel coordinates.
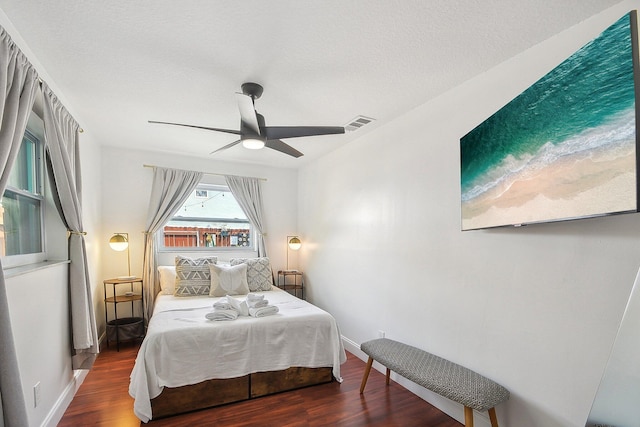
{"type": "Point", "coordinates": [230, 280]}
{"type": "Point", "coordinates": [167, 279]}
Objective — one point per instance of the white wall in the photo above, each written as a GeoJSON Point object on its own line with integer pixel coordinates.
{"type": "Point", "coordinates": [38, 304]}
{"type": "Point", "coordinates": [535, 308]}
{"type": "Point", "coordinates": [125, 190]}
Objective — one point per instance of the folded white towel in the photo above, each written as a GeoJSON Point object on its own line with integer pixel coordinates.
{"type": "Point", "coordinates": [240, 306]}
{"type": "Point", "coordinates": [218, 314]}
{"type": "Point", "coordinates": [223, 304]}
{"type": "Point", "coordinates": [254, 297]}
{"type": "Point", "coordinates": [258, 303]}
{"type": "Point", "coordinates": [263, 311]}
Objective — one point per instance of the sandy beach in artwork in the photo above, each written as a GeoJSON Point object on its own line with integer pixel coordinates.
{"type": "Point", "coordinates": [575, 186]}
{"type": "Point", "coordinates": [564, 148]}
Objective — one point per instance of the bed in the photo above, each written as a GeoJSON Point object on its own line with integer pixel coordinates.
{"type": "Point", "coordinates": [187, 362]}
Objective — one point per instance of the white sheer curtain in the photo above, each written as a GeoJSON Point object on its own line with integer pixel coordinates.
{"type": "Point", "coordinates": [18, 85]}
{"type": "Point", "coordinates": [171, 187]}
{"type": "Point", "coordinates": [61, 140]}
{"type": "Point", "coordinates": [249, 196]}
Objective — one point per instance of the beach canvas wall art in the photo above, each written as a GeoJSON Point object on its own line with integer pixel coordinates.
{"type": "Point", "coordinates": [565, 148]}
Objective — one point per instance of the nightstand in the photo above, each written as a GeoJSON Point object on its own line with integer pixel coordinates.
{"type": "Point", "coordinates": [127, 328]}
{"type": "Point", "coordinates": [291, 281]}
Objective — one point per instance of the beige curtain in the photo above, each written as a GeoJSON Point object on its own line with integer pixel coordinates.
{"type": "Point", "coordinates": [18, 85]}
{"type": "Point", "coordinates": [63, 161]}
{"type": "Point", "coordinates": [171, 187]}
{"type": "Point", "coordinates": [248, 193]}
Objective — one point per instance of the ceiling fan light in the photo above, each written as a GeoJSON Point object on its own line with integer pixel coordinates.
{"type": "Point", "coordinates": [252, 143]}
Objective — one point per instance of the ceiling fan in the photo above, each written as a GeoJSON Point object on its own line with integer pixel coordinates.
{"type": "Point", "coordinates": [254, 134]}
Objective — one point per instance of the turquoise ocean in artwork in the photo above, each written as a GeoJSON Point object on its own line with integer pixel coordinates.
{"type": "Point", "coordinates": [585, 104]}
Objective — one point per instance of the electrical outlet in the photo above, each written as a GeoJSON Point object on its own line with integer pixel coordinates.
{"type": "Point", "coordinates": [36, 394]}
{"type": "Point", "coordinates": [380, 334]}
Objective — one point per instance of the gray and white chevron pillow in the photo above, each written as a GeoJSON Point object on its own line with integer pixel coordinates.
{"type": "Point", "coordinates": [259, 274]}
{"type": "Point", "coordinates": [193, 276]}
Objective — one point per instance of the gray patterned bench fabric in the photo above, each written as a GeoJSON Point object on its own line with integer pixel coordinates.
{"type": "Point", "coordinates": [439, 375]}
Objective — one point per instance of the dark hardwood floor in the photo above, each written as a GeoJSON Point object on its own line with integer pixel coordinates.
{"type": "Point", "coordinates": [103, 400]}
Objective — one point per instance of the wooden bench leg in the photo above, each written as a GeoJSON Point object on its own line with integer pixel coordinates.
{"type": "Point", "coordinates": [366, 374]}
{"type": "Point", "coordinates": [388, 374]}
{"type": "Point", "coordinates": [468, 417]}
{"type": "Point", "coordinates": [492, 417]}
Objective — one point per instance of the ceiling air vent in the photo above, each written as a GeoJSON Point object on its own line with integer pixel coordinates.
{"type": "Point", "coordinates": [357, 123]}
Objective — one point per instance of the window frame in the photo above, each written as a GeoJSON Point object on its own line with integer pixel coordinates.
{"type": "Point", "coordinates": [159, 236]}
{"type": "Point", "coordinates": [35, 133]}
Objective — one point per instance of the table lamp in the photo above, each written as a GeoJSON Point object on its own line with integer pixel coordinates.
{"type": "Point", "coordinates": [293, 243]}
{"type": "Point", "coordinates": [120, 242]}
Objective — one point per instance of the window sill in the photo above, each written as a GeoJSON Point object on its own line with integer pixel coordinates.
{"type": "Point", "coordinates": [204, 249]}
{"type": "Point", "coordinates": [25, 269]}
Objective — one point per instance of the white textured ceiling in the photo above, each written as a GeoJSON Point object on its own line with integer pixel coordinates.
{"type": "Point", "coordinates": [119, 63]}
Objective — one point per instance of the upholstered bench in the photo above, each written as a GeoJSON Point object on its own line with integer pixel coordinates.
{"type": "Point", "coordinates": [439, 375]}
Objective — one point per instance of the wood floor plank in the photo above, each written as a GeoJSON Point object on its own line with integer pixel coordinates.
{"type": "Point", "coordinates": [103, 400]}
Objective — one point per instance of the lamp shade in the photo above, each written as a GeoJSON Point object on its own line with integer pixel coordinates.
{"type": "Point", "coordinates": [294, 243]}
{"type": "Point", "coordinates": [118, 242]}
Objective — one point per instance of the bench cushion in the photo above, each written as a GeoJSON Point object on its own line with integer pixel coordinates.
{"type": "Point", "coordinates": [439, 375]}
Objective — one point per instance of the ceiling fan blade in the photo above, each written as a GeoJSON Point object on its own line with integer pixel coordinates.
{"type": "Point", "coordinates": [226, 146]}
{"type": "Point", "coordinates": [280, 146]}
{"type": "Point", "coordinates": [278, 132]}
{"type": "Point", "coordinates": [235, 132]}
{"type": "Point", "coordinates": [248, 112]}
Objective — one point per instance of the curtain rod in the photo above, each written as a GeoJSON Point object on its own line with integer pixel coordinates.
{"type": "Point", "coordinates": [207, 173]}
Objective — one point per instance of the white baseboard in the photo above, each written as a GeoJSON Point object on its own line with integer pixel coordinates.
{"type": "Point", "coordinates": [57, 412]}
{"type": "Point", "coordinates": [449, 407]}
{"type": "Point", "coordinates": [353, 348]}
{"type": "Point", "coordinates": [59, 408]}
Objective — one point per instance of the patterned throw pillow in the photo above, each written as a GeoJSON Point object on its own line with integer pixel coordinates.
{"type": "Point", "coordinates": [227, 280]}
{"type": "Point", "coordinates": [259, 275]}
{"type": "Point", "coordinates": [192, 276]}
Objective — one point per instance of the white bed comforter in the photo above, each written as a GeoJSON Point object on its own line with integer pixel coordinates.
{"type": "Point", "coordinates": [182, 347]}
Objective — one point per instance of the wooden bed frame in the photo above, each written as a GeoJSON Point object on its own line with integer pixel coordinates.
{"type": "Point", "coordinates": [216, 392]}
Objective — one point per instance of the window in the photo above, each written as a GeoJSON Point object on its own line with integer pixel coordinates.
{"type": "Point", "coordinates": [21, 209]}
{"type": "Point", "coordinates": [210, 218]}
